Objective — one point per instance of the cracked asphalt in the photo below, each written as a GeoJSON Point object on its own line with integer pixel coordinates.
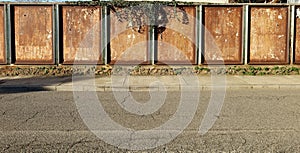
{"type": "Point", "coordinates": [251, 120]}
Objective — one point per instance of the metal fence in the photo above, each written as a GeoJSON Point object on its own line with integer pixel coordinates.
{"type": "Point", "coordinates": [47, 33]}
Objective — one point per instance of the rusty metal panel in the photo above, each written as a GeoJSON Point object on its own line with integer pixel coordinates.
{"type": "Point", "coordinates": [127, 44]}
{"type": "Point", "coordinates": [268, 35]}
{"type": "Point", "coordinates": [81, 34]}
{"type": "Point", "coordinates": [33, 34]}
{"type": "Point", "coordinates": [176, 41]}
{"type": "Point", "coordinates": [297, 36]}
{"type": "Point", "coordinates": [2, 42]}
{"type": "Point", "coordinates": [223, 34]}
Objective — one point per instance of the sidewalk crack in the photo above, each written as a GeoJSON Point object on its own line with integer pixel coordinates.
{"type": "Point", "coordinates": [124, 80]}
{"type": "Point", "coordinates": [185, 81]}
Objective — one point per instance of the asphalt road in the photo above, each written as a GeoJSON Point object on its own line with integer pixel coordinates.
{"type": "Point", "coordinates": [250, 121]}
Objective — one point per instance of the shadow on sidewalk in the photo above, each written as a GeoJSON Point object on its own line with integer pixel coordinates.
{"type": "Point", "coordinates": [33, 84]}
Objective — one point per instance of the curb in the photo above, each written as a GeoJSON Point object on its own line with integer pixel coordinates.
{"type": "Point", "coordinates": [29, 88]}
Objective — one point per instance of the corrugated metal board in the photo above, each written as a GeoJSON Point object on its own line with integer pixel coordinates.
{"type": "Point", "coordinates": [33, 34]}
{"type": "Point", "coordinates": [223, 34]}
{"type": "Point", "coordinates": [268, 35]}
{"type": "Point", "coordinates": [2, 42]}
{"type": "Point", "coordinates": [176, 41]}
{"type": "Point", "coordinates": [127, 44]}
{"type": "Point", "coordinates": [297, 36]}
{"type": "Point", "coordinates": [81, 34]}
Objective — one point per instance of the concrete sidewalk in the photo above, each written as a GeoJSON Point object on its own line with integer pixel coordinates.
{"type": "Point", "coordinates": [143, 83]}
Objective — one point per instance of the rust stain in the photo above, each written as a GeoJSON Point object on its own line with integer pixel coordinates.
{"type": "Point", "coordinates": [297, 36]}
{"type": "Point", "coordinates": [127, 44]}
{"type": "Point", "coordinates": [268, 35]}
{"type": "Point", "coordinates": [223, 35]}
{"type": "Point", "coordinates": [176, 41]}
{"type": "Point", "coordinates": [2, 43]}
{"type": "Point", "coordinates": [33, 34]}
{"type": "Point", "coordinates": [81, 34]}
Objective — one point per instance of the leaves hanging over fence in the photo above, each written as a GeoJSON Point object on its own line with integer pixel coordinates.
{"type": "Point", "coordinates": [153, 15]}
{"type": "Point", "coordinates": [140, 14]}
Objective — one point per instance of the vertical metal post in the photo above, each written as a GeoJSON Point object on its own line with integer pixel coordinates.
{"type": "Point", "coordinates": [56, 34]}
{"type": "Point", "coordinates": [153, 41]}
{"type": "Point", "coordinates": [200, 33]}
{"type": "Point", "coordinates": [152, 46]}
{"type": "Point", "coordinates": [292, 32]}
{"type": "Point", "coordinates": [246, 34]}
{"type": "Point", "coordinates": [7, 35]}
{"type": "Point", "coordinates": [105, 33]}
{"type": "Point", "coordinates": [198, 24]}
{"type": "Point", "coordinates": [243, 36]}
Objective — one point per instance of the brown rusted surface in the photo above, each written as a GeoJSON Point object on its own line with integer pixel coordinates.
{"type": "Point", "coordinates": [2, 42]}
{"type": "Point", "coordinates": [223, 35]}
{"type": "Point", "coordinates": [33, 34]}
{"type": "Point", "coordinates": [297, 36]}
{"type": "Point", "coordinates": [268, 35]}
{"type": "Point", "coordinates": [127, 44]}
{"type": "Point", "coordinates": [176, 41]}
{"type": "Point", "coordinates": [81, 34]}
